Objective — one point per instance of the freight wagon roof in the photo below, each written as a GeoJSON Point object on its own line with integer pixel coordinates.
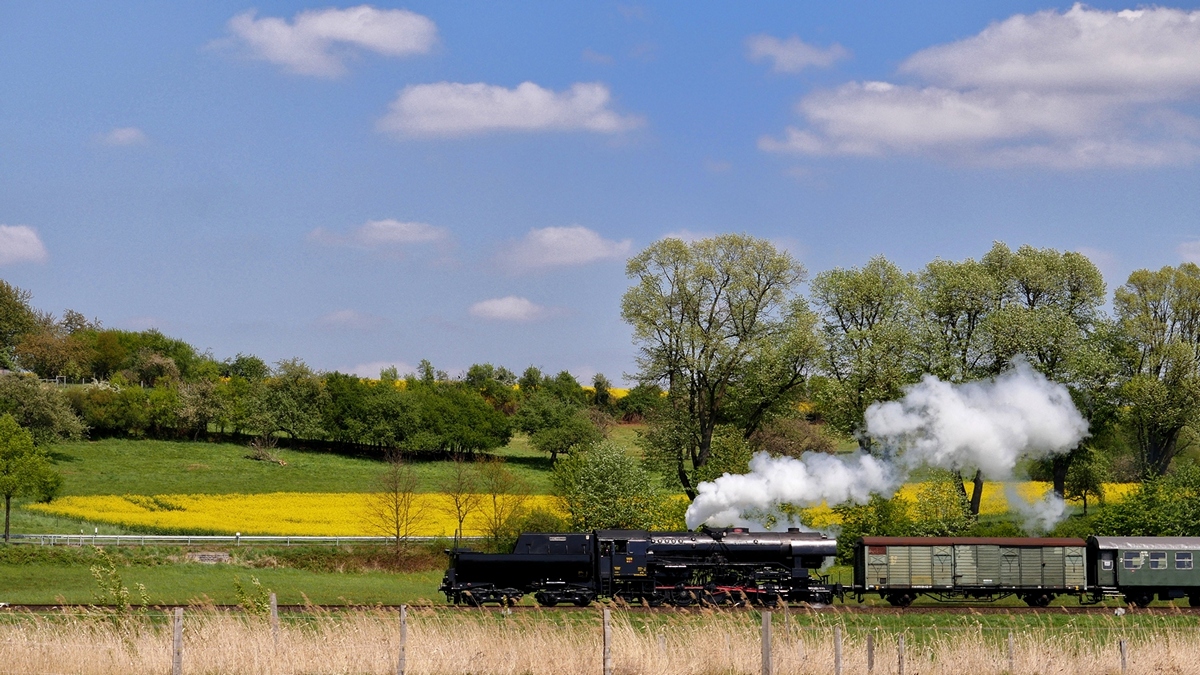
{"type": "Point", "coordinates": [969, 541]}
{"type": "Point", "coordinates": [1146, 543]}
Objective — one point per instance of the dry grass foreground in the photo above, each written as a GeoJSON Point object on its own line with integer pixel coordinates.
{"type": "Point", "coordinates": [549, 643]}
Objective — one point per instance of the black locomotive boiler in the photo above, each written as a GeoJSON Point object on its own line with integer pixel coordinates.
{"type": "Point", "coordinates": [713, 566]}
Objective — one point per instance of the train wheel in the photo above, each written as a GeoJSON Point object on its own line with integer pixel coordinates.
{"type": "Point", "coordinates": [1194, 599]}
{"type": "Point", "coordinates": [899, 599]}
{"type": "Point", "coordinates": [582, 601]}
{"type": "Point", "coordinates": [1140, 599]}
{"type": "Point", "coordinates": [1038, 599]}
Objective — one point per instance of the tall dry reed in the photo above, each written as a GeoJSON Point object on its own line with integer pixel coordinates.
{"type": "Point", "coordinates": [489, 642]}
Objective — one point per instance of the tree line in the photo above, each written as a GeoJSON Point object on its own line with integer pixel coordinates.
{"type": "Point", "coordinates": [733, 357]}
{"type": "Point", "coordinates": [749, 362]}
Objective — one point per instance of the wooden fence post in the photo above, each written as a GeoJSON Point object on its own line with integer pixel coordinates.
{"type": "Point", "coordinates": [837, 650]}
{"type": "Point", "coordinates": [870, 653]}
{"type": "Point", "coordinates": [1124, 655]}
{"type": "Point", "coordinates": [900, 654]}
{"type": "Point", "coordinates": [275, 620]}
{"type": "Point", "coordinates": [401, 662]}
{"type": "Point", "coordinates": [607, 642]}
{"type": "Point", "coordinates": [177, 662]}
{"type": "Point", "coordinates": [767, 664]}
{"type": "Point", "coordinates": [1012, 657]}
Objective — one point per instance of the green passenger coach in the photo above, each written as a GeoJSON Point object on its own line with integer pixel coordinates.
{"type": "Point", "coordinates": [1142, 567]}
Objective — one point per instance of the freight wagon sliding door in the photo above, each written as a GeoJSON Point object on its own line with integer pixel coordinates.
{"type": "Point", "coordinates": [877, 566]}
{"type": "Point", "coordinates": [943, 566]}
{"type": "Point", "coordinates": [1010, 566]}
{"type": "Point", "coordinates": [987, 562]}
{"type": "Point", "coordinates": [965, 567]}
{"type": "Point", "coordinates": [1031, 567]}
{"type": "Point", "coordinates": [921, 559]}
{"type": "Point", "coordinates": [898, 566]}
{"type": "Point", "coordinates": [1075, 574]}
{"type": "Point", "coordinates": [1053, 567]}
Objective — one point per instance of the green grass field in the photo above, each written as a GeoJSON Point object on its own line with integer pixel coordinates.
{"type": "Point", "coordinates": [194, 582]}
{"type": "Point", "coordinates": [122, 466]}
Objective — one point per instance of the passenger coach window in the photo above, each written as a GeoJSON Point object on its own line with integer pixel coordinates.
{"type": "Point", "coordinates": [1133, 560]}
{"type": "Point", "coordinates": [1183, 560]}
{"type": "Point", "coordinates": [1158, 560]}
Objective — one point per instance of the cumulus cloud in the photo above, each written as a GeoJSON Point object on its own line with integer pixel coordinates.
{"type": "Point", "coordinates": [1078, 89]}
{"type": "Point", "coordinates": [447, 109]}
{"type": "Point", "coordinates": [121, 136]}
{"type": "Point", "coordinates": [383, 234]}
{"type": "Point", "coordinates": [508, 308]}
{"type": "Point", "coordinates": [560, 247]}
{"type": "Point", "coordinates": [793, 54]}
{"type": "Point", "coordinates": [317, 42]}
{"type": "Point", "coordinates": [351, 319]}
{"type": "Point", "coordinates": [372, 369]}
{"type": "Point", "coordinates": [20, 243]}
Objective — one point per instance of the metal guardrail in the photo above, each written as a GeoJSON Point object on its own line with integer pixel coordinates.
{"type": "Point", "coordinates": [200, 540]}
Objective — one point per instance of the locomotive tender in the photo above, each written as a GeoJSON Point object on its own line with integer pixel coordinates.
{"type": "Point", "coordinates": [712, 567]}
{"type": "Point", "coordinates": [735, 566]}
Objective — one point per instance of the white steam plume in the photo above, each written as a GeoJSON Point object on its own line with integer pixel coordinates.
{"type": "Point", "coordinates": [808, 481]}
{"type": "Point", "coordinates": [987, 425]}
{"type": "Point", "coordinates": [1040, 516]}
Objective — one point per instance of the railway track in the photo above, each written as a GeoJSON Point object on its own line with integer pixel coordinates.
{"type": "Point", "coordinates": [826, 610]}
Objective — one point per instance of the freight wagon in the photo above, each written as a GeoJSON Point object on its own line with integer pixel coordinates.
{"type": "Point", "coordinates": [978, 569]}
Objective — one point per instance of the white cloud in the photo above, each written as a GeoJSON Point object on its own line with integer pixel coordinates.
{"type": "Point", "coordinates": [351, 319]}
{"type": "Point", "coordinates": [20, 243]}
{"type": "Point", "coordinates": [688, 236]}
{"type": "Point", "coordinates": [372, 369]}
{"type": "Point", "coordinates": [454, 109]}
{"type": "Point", "coordinates": [123, 136]}
{"type": "Point", "coordinates": [561, 247]}
{"type": "Point", "coordinates": [383, 234]}
{"type": "Point", "coordinates": [1078, 89]}
{"type": "Point", "coordinates": [1190, 251]}
{"type": "Point", "coordinates": [317, 42]}
{"type": "Point", "coordinates": [508, 308]}
{"type": "Point", "coordinates": [793, 54]}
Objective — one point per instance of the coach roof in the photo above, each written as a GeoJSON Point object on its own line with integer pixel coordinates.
{"type": "Point", "coordinates": [1148, 543]}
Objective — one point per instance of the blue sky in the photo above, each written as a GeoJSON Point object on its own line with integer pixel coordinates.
{"type": "Point", "coordinates": [361, 185]}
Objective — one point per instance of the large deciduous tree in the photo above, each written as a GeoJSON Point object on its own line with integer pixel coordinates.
{"type": "Point", "coordinates": [867, 322]}
{"type": "Point", "coordinates": [17, 319]}
{"type": "Point", "coordinates": [717, 322]}
{"type": "Point", "coordinates": [1159, 312]}
{"type": "Point", "coordinates": [25, 469]}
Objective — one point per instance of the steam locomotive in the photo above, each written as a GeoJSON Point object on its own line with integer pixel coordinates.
{"type": "Point", "coordinates": [735, 566]}
{"type": "Point", "coordinates": [713, 566]}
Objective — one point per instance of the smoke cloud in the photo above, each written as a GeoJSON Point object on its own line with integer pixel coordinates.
{"type": "Point", "coordinates": [987, 425]}
{"type": "Point", "coordinates": [1040, 516]}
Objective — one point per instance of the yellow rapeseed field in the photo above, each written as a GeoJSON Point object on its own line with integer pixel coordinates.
{"type": "Point", "coordinates": [345, 514]}
{"type": "Point", "coordinates": [994, 501]}
{"type": "Point", "coordinates": [278, 513]}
